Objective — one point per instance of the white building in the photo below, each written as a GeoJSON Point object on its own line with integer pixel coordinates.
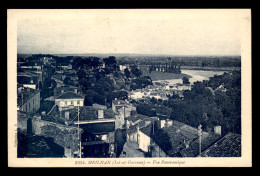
{"type": "Point", "coordinates": [69, 100]}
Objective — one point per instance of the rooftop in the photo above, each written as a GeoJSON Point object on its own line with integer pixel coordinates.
{"type": "Point", "coordinates": [88, 113]}
{"type": "Point", "coordinates": [120, 102]}
{"type": "Point", "coordinates": [27, 79]}
{"type": "Point", "coordinates": [136, 117]}
{"type": "Point", "coordinates": [174, 138]}
{"type": "Point", "coordinates": [70, 95]}
{"type": "Point", "coordinates": [227, 146]}
{"type": "Point", "coordinates": [99, 128]}
{"type": "Point", "coordinates": [58, 90]}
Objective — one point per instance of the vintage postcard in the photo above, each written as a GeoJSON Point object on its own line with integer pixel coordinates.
{"type": "Point", "coordinates": [129, 88]}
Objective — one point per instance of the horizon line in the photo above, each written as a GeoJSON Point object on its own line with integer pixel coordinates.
{"type": "Point", "coordinates": [126, 54]}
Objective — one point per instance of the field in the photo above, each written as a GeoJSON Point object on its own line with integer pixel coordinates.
{"type": "Point", "coordinates": [155, 75]}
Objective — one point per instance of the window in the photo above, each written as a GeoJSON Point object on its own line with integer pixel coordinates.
{"type": "Point", "coordinates": [71, 102]}
{"type": "Point", "coordinates": [78, 102]}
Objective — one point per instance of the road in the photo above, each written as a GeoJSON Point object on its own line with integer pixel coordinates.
{"type": "Point", "coordinates": [132, 151]}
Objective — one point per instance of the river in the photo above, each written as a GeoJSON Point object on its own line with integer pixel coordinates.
{"type": "Point", "coordinates": [196, 75]}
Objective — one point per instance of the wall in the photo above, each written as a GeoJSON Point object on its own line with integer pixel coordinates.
{"type": "Point", "coordinates": [143, 141]}
{"type": "Point", "coordinates": [34, 103]}
{"type": "Point", "coordinates": [132, 137]}
{"type": "Point", "coordinates": [65, 136]}
{"type": "Point", "coordinates": [119, 122]}
{"type": "Point", "coordinates": [61, 102]}
{"type": "Point", "coordinates": [158, 152]}
{"type": "Point", "coordinates": [22, 124]}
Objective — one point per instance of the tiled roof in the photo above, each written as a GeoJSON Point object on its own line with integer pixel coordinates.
{"type": "Point", "coordinates": [193, 149]}
{"type": "Point", "coordinates": [27, 79]}
{"type": "Point", "coordinates": [119, 102]}
{"type": "Point", "coordinates": [136, 117]}
{"type": "Point", "coordinates": [70, 95]}
{"type": "Point", "coordinates": [143, 126]}
{"type": "Point", "coordinates": [58, 90]}
{"type": "Point", "coordinates": [99, 128]}
{"type": "Point", "coordinates": [88, 113]}
{"type": "Point", "coordinates": [227, 146]}
{"type": "Point", "coordinates": [33, 63]}
{"type": "Point", "coordinates": [173, 139]}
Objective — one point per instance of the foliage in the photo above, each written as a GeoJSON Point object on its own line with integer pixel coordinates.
{"type": "Point", "coordinates": [135, 71]}
{"type": "Point", "coordinates": [205, 104]}
{"type": "Point", "coordinates": [140, 82]}
{"type": "Point", "coordinates": [185, 80]}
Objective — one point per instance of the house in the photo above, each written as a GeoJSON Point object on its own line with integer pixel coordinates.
{"type": "Point", "coordinates": [48, 61]}
{"type": "Point", "coordinates": [33, 64]}
{"type": "Point", "coordinates": [118, 104]}
{"type": "Point", "coordinates": [64, 89]}
{"type": "Point", "coordinates": [69, 100]}
{"type": "Point", "coordinates": [97, 138]}
{"type": "Point", "coordinates": [97, 126]}
{"type": "Point", "coordinates": [64, 66]}
{"type": "Point", "coordinates": [28, 81]}
{"type": "Point", "coordinates": [59, 78]}
{"type": "Point", "coordinates": [28, 100]}
{"type": "Point", "coordinates": [227, 146]}
{"type": "Point", "coordinates": [123, 110]}
{"type": "Point", "coordinates": [133, 125]}
{"type": "Point", "coordinates": [173, 139]}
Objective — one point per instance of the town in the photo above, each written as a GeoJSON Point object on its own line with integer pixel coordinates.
{"type": "Point", "coordinates": [108, 107]}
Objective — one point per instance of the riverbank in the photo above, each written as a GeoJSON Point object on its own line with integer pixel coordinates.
{"type": "Point", "coordinates": [210, 68]}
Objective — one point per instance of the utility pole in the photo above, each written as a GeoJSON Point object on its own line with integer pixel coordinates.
{"type": "Point", "coordinates": [22, 99]}
{"type": "Point", "coordinates": [200, 134]}
{"type": "Point", "coordinates": [78, 136]}
{"type": "Point", "coordinates": [153, 126]}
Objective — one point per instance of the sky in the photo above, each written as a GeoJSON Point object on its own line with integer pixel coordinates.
{"type": "Point", "coordinates": [170, 32]}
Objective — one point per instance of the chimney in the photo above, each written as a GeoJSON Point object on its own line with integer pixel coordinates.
{"type": "Point", "coordinates": [67, 115]}
{"type": "Point", "coordinates": [217, 129]}
{"type": "Point", "coordinates": [186, 143]}
{"type": "Point", "coordinates": [75, 91]}
{"type": "Point", "coordinates": [162, 123]}
{"type": "Point", "coordinates": [100, 114]}
{"type": "Point", "coordinates": [62, 91]}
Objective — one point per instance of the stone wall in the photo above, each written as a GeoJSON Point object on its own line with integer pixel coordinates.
{"type": "Point", "coordinates": [22, 124]}
{"type": "Point", "coordinates": [65, 136]}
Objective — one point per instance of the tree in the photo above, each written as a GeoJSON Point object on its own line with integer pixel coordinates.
{"type": "Point", "coordinates": [81, 74]}
{"type": "Point", "coordinates": [185, 80]}
{"type": "Point", "coordinates": [135, 71]}
{"type": "Point", "coordinates": [95, 62]}
{"type": "Point", "coordinates": [145, 109]}
{"type": "Point", "coordinates": [127, 73]}
{"type": "Point", "coordinates": [111, 60]}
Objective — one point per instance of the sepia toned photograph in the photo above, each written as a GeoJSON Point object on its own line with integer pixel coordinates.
{"type": "Point", "coordinates": [129, 88]}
